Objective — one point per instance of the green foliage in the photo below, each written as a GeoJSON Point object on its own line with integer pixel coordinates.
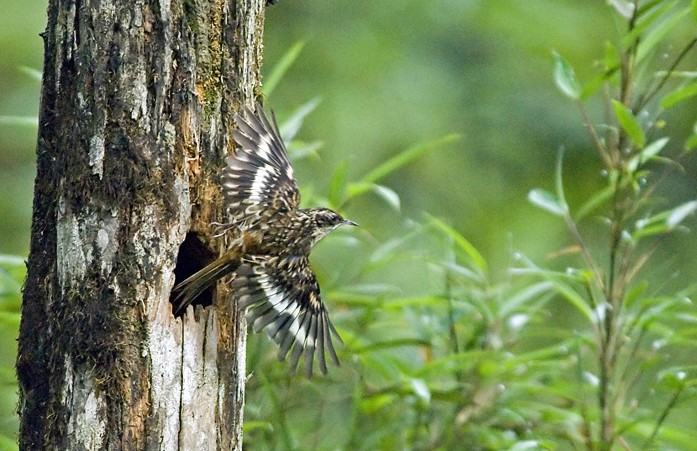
{"type": "Point", "coordinates": [443, 349]}
{"type": "Point", "coordinates": [282, 67]}
{"type": "Point", "coordinates": [631, 328]}
{"type": "Point", "coordinates": [590, 350]}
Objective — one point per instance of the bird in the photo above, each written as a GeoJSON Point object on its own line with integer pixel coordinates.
{"type": "Point", "coordinates": [269, 255]}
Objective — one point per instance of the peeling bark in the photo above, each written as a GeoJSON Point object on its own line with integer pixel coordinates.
{"type": "Point", "coordinates": [136, 118]}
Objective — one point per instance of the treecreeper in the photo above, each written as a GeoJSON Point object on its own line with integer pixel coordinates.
{"type": "Point", "coordinates": [268, 258]}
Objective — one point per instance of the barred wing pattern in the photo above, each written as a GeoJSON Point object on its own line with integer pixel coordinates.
{"type": "Point", "coordinates": [282, 295]}
{"type": "Point", "coordinates": [258, 181]}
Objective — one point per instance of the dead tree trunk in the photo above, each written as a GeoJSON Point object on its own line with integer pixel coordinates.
{"type": "Point", "coordinates": [136, 118]}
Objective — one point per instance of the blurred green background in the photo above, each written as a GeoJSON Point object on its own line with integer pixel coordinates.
{"type": "Point", "coordinates": [388, 76]}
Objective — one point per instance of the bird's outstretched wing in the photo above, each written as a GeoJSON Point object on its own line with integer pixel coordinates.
{"type": "Point", "coordinates": [258, 181]}
{"type": "Point", "coordinates": [282, 296]}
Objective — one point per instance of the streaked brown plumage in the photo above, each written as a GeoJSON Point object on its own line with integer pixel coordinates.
{"type": "Point", "coordinates": [269, 259]}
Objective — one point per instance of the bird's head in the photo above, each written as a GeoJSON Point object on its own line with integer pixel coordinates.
{"type": "Point", "coordinates": [323, 221]}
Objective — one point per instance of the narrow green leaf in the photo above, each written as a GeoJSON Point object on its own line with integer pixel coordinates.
{"type": "Point", "coordinates": [636, 292]}
{"type": "Point", "coordinates": [647, 16]}
{"type": "Point", "coordinates": [629, 123]}
{"type": "Point", "coordinates": [694, 10]}
{"type": "Point", "coordinates": [576, 300]}
{"type": "Point", "coordinates": [299, 149]}
{"type": "Point", "coordinates": [592, 86]}
{"type": "Point", "coordinates": [525, 445]}
{"type": "Point", "coordinates": [654, 36]}
{"type": "Point", "coordinates": [355, 190]}
{"type": "Point", "coordinates": [533, 292]}
{"type": "Point", "coordinates": [31, 72]}
{"type": "Point", "coordinates": [250, 426]}
{"type": "Point", "coordinates": [24, 121]}
{"type": "Point", "coordinates": [337, 186]}
{"type": "Point", "coordinates": [664, 221]}
{"type": "Point", "coordinates": [282, 67]}
{"type": "Point", "coordinates": [679, 213]}
{"type": "Point", "coordinates": [565, 78]}
{"type": "Point", "coordinates": [405, 157]}
{"type": "Point", "coordinates": [461, 242]}
{"type": "Point", "coordinates": [646, 154]}
{"type": "Point", "coordinates": [647, 6]}
{"type": "Point", "coordinates": [546, 201]}
{"type": "Point", "coordinates": [290, 127]}
{"type": "Point", "coordinates": [390, 344]}
{"type": "Point", "coordinates": [558, 281]}
{"type": "Point", "coordinates": [376, 402]}
{"type": "Point", "coordinates": [421, 390]}
{"type": "Point", "coordinates": [679, 95]}
{"type": "Point", "coordinates": [594, 202]}
{"type": "Point", "coordinates": [388, 195]}
{"type": "Point", "coordinates": [691, 141]}
{"type": "Point", "coordinates": [623, 7]}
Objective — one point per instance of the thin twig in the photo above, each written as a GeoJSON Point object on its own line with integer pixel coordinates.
{"type": "Point", "coordinates": [642, 103]}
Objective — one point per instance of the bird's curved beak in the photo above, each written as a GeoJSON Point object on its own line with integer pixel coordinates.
{"type": "Point", "coordinates": [349, 222]}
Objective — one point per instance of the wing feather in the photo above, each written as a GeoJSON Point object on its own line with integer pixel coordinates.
{"type": "Point", "coordinates": [258, 181]}
{"type": "Point", "coordinates": [282, 296]}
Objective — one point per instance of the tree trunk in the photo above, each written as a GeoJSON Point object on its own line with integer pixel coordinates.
{"type": "Point", "coordinates": [136, 118]}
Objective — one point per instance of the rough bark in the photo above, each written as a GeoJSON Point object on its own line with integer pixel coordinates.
{"type": "Point", "coordinates": [135, 121]}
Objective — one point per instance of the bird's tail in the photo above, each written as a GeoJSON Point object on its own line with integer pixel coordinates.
{"type": "Point", "coordinates": [194, 285]}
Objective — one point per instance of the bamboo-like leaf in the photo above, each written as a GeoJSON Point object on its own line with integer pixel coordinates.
{"type": "Point", "coordinates": [251, 426]}
{"type": "Point", "coordinates": [678, 214]}
{"type": "Point", "coordinates": [565, 78]}
{"type": "Point", "coordinates": [594, 202]}
{"type": "Point", "coordinates": [623, 7]}
{"type": "Point", "coordinates": [355, 190]}
{"type": "Point", "coordinates": [337, 185]}
{"type": "Point", "coordinates": [558, 281]}
{"type": "Point", "coordinates": [664, 221]}
{"type": "Point", "coordinates": [421, 390]}
{"type": "Point", "coordinates": [290, 127]}
{"type": "Point", "coordinates": [654, 36]}
{"type": "Point", "coordinates": [531, 292]}
{"type": "Point", "coordinates": [679, 95]}
{"type": "Point", "coordinates": [636, 292]}
{"type": "Point", "coordinates": [691, 142]}
{"type": "Point", "coordinates": [23, 121]}
{"type": "Point", "coordinates": [629, 123]}
{"type": "Point", "coordinates": [388, 195]}
{"type": "Point", "coordinates": [646, 154]}
{"type": "Point", "coordinates": [461, 243]}
{"type": "Point", "coordinates": [648, 14]}
{"type": "Point", "coordinates": [547, 201]}
{"type": "Point", "coordinates": [405, 157]}
{"type": "Point", "coordinates": [31, 72]}
{"type": "Point", "coordinates": [390, 344]}
{"type": "Point", "coordinates": [646, 7]}
{"type": "Point", "coordinates": [299, 150]}
{"type": "Point", "coordinates": [400, 304]}
{"type": "Point", "coordinates": [282, 67]}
